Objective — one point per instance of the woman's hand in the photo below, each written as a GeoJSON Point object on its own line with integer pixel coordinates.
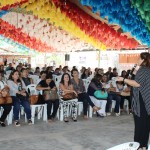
{"type": "Point", "coordinates": [19, 92]}
{"type": "Point", "coordinates": [24, 94]}
{"type": "Point", "coordinates": [48, 88]}
{"type": "Point", "coordinates": [75, 93]}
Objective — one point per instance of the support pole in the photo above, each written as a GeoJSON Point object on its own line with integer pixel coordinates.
{"type": "Point", "coordinates": [99, 55]}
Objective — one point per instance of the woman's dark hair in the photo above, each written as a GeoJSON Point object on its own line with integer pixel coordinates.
{"type": "Point", "coordinates": [1, 72]}
{"type": "Point", "coordinates": [106, 76]}
{"type": "Point", "coordinates": [49, 76]}
{"type": "Point", "coordinates": [57, 69]}
{"type": "Point", "coordinates": [129, 73]}
{"type": "Point", "coordinates": [84, 75]}
{"type": "Point", "coordinates": [62, 79]}
{"type": "Point", "coordinates": [23, 69]}
{"type": "Point", "coordinates": [97, 79]}
{"type": "Point", "coordinates": [37, 68]}
{"type": "Point", "coordinates": [47, 69]}
{"type": "Point", "coordinates": [42, 72]}
{"type": "Point", "coordinates": [115, 69]}
{"type": "Point", "coordinates": [74, 67]}
{"type": "Point", "coordinates": [11, 74]}
{"type": "Point", "coordinates": [95, 69]}
{"type": "Point", "coordinates": [73, 71]}
{"type": "Point", "coordinates": [123, 72]}
{"type": "Point", "coordinates": [145, 56]}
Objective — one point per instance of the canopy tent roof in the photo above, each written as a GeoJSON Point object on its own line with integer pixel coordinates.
{"type": "Point", "coordinates": [29, 26]}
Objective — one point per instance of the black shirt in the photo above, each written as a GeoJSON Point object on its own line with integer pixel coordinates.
{"type": "Point", "coordinates": [43, 83]}
{"type": "Point", "coordinates": [26, 81]}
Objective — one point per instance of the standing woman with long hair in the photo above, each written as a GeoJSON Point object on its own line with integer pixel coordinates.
{"type": "Point", "coordinates": [141, 100]}
{"type": "Point", "coordinates": [19, 97]}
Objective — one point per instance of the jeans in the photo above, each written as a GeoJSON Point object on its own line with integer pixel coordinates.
{"type": "Point", "coordinates": [122, 101]}
{"type": "Point", "coordinates": [55, 104]}
{"type": "Point", "coordinates": [117, 98]}
{"type": "Point", "coordinates": [7, 109]}
{"type": "Point", "coordinates": [84, 97]}
{"type": "Point", "coordinates": [25, 103]}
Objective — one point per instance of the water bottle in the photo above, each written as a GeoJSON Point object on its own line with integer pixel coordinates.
{"type": "Point", "coordinates": [19, 87]}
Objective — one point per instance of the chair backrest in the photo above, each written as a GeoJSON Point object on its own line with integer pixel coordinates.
{"type": "Point", "coordinates": [126, 146]}
{"type": "Point", "coordinates": [57, 78]}
{"type": "Point", "coordinates": [34, 78]}
{"type": "Point", "coordinates": [32, 89]}
{"type": "Point", "coordinates": [86, 83]}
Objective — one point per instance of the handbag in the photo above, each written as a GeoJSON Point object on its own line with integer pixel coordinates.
{"type": "Point", "coordinates": [51, 95]}
{"type": "Point", "coordinates": [69, 96]}
{"type": "Point", "coordinates": [36, 99]}
{"type": "Point", "coordinates": [33, 99]}
{"type": "Point", "coordinates": [5, 98]}
{"type": "Point", "coordinates": [100, 94]}
{"type": "Point", "coordinates": [5, 92]}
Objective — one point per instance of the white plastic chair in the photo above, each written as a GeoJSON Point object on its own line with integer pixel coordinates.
{"type": "Point", "coordinates": [57, 78]}
{"type": "Point", "coordinates": [126, 105]}
{"type": "Point", "coordinates": [41, 108]}
{"type": "Point", "coordinates": [113, 105]}
{"type": "Point", "coordinates": [35, 78]}
{"type": "Point", "coordinates": [86, 83]}
{"type": "Point", "coordinates": [32, 89]}
{"type": "Point", "coordinates": [80, 109]}
{"type": "Point", "coordinates": [9, 116]}
{"type": "Point", "coordinates": [126, 146]}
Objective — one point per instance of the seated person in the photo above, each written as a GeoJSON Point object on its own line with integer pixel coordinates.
{"type": "Point", "coordinates": [85, 74]}
{"type": "Point", "coordinates": [124, 92]}
{"type": "Point", "coordinates": [6, 107]}
{"type": "Point", "coordinates": [65, 87]}
{"type": "Point", "coordinates": [42, 76]}
{"type": "Point", "coordinates": [19, 97]}
{"type": "Point", "coordinates": [112, 95]}
{"type": "Point", "coordinates": [94, 86]}
{"type": "Point", "coordinates": [10, 67]}
{"type": "Point", "coordinates": [57, 72]}
{"type": "Point", "coordinates": [49, 85]}
{"type": "Point", "coordinates": [24, 78]}
{"type": "Point", "coordinates": [37, 71]}
{"type": "Point", "coordinates": [79, 87]}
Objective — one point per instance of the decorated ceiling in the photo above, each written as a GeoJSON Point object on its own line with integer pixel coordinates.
{"type": "Point", "coordinates": [70, 25]}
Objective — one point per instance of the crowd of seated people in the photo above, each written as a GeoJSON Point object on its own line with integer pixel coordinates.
{"type": "Point", "coordinates": [71, 81]}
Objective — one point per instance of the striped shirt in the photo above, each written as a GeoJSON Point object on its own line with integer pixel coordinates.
{"type": "Point", "coordinates": [143, 78]}
{"type": "Point", "coordinates": [78, 87]}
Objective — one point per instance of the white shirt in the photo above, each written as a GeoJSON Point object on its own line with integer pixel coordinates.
{"type": "Point", "coordinates": [2, 84]}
